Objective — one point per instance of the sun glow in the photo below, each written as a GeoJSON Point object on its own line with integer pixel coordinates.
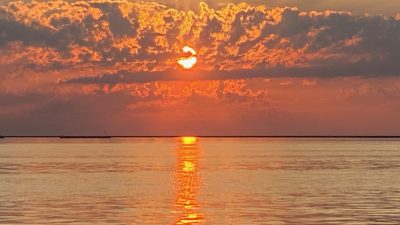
{"type": "Point", "coordinates": [188, 61]}
{"type": "Point", "coordinates": [188, 140]}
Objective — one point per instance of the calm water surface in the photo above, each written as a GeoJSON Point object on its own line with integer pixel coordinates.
{"type": "Point", "coordinates": [210, 181]}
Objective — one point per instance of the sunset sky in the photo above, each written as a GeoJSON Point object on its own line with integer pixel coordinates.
{"type": "Point", "coordinates": [264, 67]}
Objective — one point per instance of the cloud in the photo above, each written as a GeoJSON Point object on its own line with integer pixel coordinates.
{"type": "Point", "coordinates": [136, 39]}
{"type": "Point", "coordinates": [124, 76]}
{"type": "Point", "coordinates": [79, 67]}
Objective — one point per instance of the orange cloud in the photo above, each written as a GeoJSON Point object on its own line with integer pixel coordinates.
{"type": "Point", "coordinates": [107, 64]}
{"type": "Point", "coordinates": [140, 36]}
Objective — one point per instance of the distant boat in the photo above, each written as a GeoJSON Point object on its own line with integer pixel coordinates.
{"type": "Point", "coordinates": [102, 136]}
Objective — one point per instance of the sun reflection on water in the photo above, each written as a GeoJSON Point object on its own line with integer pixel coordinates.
{"type": "Point", "coordinates": [187, 182]}
{"type": "Point", "coordinates": [188, 140]}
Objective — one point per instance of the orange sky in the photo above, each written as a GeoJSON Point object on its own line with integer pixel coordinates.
{"type": "Point", "coordinates": [88, 67]}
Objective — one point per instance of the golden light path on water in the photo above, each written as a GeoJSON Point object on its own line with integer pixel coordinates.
{"type": "Point", "coordinates": [187, 182]}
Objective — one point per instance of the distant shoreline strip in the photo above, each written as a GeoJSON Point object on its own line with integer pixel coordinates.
{"type": "Point", "coordinates": [199, 136]}
{"type": "Point", "coordinates": [71, 137]}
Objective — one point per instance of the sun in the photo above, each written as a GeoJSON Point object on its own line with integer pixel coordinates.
{"type": "Point", "coordinates": [188, 140]}
{"type": "Point", "coordinates": [189, 61]}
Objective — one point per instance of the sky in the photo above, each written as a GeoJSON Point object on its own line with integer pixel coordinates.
{"type": "Point", "coordinates": [278, 67]}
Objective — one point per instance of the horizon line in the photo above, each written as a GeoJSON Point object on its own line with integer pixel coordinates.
{"type": "Point", "coordinates": [199, 136]}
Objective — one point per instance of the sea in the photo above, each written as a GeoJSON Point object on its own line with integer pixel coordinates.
{"type": "Point", "coordinates": [195, 180]}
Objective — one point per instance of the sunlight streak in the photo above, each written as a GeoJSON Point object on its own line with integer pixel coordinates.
{"type": "Point", "coordinates": [187, 183]}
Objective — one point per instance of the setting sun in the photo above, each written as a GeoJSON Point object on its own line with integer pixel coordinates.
{"type": "Point", "coordinates": [190, 61]}
{"type": "Point", "coordinates": [188, 140]}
